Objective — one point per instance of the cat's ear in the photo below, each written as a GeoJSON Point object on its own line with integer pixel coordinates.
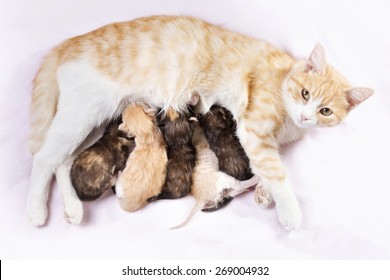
{"type": "Point", "coordinates": [357, 95]}
{"type": "Point", "coordinates": [317, 61]}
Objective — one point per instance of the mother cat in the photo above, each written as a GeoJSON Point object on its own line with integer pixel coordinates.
{"type": "Point", "coordinates": [163, 61]}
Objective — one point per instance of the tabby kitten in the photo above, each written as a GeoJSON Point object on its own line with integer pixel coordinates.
{"type": "Point", "coordinates": [95, 170]}
{"type": "Point", "coordinates": [220, 131]}
{"type": "Point", "coordinates": [162, 61]}
{"type": "Point", "coordinates": [177, 130]}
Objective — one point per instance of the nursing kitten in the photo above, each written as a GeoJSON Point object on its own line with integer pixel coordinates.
{"type": "Point", "coordinates": [220, 131]}
{"type": "Point", "coordinates": [162, 61]}
{"type": "Point", "coordinates": [144, 175]}
{"type": "Point", "coordinates": [210, 185]}
{"type": "Point", "coordinates": [95, 170]}
{"type": "Point", "coordinates": [177, 130]}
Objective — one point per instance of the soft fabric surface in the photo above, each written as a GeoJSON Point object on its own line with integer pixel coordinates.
{"type": "Point", "coordinates": [340, 175]}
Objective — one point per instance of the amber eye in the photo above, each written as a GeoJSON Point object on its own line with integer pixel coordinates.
{"type": "Point", "coordinates": [305, 94]}
{"type": "Point", "coordinates": [326, 111]}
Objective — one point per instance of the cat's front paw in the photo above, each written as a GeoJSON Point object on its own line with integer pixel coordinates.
{"type": "Point", "coordinates": [262, 196]}
{"type": "Point", "coordinates": [74, 211]}
{"type": "Point", "coordinates": [289, 213]}
{"type": "Point", "coordinates": [37, 214]}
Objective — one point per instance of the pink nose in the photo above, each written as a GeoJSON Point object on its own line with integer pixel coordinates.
{"type": "Point", "coordinates": [304, 118]}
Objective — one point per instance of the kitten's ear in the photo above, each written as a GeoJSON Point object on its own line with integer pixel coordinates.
{"type": "Point", "coordinates": [317, 61]}
{"type": "Point", "coordinates": [150, 112]}
{"type": "Point", "coordinates": [357, 95]}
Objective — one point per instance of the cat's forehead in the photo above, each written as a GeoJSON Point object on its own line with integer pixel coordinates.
{"type": "Point", "coordinates": [329, 87]}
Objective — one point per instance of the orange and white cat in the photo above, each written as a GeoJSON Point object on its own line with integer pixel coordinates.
{"type": "Point", "coordinates": [162, 61]}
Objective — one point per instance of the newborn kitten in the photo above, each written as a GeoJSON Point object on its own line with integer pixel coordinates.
{"type": "Point", "coordinates": [177, 130]}
{"type": "Point", "coordinates": [95, 170]}
{"type": "Point", "coordinates": [210, 186]}
{"type": "Point", "coordinates": [220, 131]}
{"type": "Point", "coordinates": [144, 175]}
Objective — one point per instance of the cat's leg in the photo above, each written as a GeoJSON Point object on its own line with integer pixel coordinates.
{"type": "Point", "coordinates": [73, 206]}
{"type": "Point", "coordinates": [63, 136]}
{"type": "Point", "coordinates": [82, 106]}
{"type": "Point", "coordinates": [266, 162]}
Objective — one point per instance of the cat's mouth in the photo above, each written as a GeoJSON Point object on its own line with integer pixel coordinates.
{"type": "Point", "coordinates": [305, 123]}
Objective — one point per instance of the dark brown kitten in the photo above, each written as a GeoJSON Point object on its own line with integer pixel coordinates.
{"type": "Point", "coordinates": [177, 130]}
{"type": "Point", "coordinates": [95, 170]}
{"type": "Point", "coordinates": [220, 130]}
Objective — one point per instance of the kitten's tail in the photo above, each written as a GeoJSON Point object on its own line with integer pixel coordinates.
{"type": "Point", "coordinates": [44, 101]}
{"type": "Point", "coordinates": [198, 206]}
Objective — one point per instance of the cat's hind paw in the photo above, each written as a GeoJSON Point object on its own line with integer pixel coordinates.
{"type": "Point", "coordinates": [263, 197]}
{"type": "Point", "coordinates": [37, 214]}
{"type": "Point", "coordinates": [74, 212]}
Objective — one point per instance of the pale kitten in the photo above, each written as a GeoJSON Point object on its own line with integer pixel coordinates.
{"type": "Point", "coordinates": [162, 61]}
{"type": "Point", "coordinates": [210, 186]}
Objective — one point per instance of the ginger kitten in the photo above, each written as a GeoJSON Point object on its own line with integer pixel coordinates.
{"type": "Point", "coordinates": [162, 61]}
{"type": "Point", "coordinates": [144, 175]}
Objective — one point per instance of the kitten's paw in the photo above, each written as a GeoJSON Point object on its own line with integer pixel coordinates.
{"type": "Point", "coordinates": [289, 213]}
{"type": "Point", "coordinates": [263, 196]}
{"type": "Point", "coordinates": [74, 212]}
{"type": "Point", "coordinates": [37, 214]}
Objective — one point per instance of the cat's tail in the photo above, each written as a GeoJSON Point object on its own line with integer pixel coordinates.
{"type": "Point", "coordinates": [198, 206]}
{"type": "Point", "coordinates": [44, 101]}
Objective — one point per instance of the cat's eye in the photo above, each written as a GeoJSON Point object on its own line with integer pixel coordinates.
{"type": "Point", "coordinates": [305, 94]}
{"type": "Point", "coordinates": [326, 111]}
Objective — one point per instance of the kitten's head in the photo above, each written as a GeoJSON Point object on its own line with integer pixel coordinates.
{"type": "Point", "coordinates": [317, 95]}
{"type": "Point", "coordinates": [138, 121]}
{"type": "Point", "coordinates": [177, 129]}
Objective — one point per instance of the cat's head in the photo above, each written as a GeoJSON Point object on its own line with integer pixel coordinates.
{"type": "Point", "coordinates": [316, 95]}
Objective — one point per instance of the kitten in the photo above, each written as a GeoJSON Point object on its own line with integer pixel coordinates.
{"type": "Point", "coordinates": [95, 170]}
{"type": "Point", "coordinates": [220, 131]}
{"type": "Point", "coordinates": [177, 130]}
{"type": "Point", "coordinates": [210, 185]}
{"type": "Point", "coordinates": [273, 97]}
{"type": "Point", "coordinates": [144, 175]}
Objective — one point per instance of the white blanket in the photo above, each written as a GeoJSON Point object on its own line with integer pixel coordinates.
{"type": "Point", "coordinates": [340, 175]}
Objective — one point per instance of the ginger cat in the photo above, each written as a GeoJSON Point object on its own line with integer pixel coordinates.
{"type": "Point", "coordinates": [162, 61]}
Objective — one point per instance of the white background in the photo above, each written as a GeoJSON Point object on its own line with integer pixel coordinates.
{"type": "Point", "coordinates": [340, 175]}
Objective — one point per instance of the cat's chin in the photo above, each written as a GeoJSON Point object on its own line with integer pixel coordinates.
{"type": "Point", "coordinates": [305, 124]}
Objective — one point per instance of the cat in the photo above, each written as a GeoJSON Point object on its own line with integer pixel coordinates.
{"type": "Point", "coordinates": [144, 175]}
{"type": "Point", "coordinates": [95, 170]}
{"type": "Point", "coordinates": [177, 130]}
{"type": "Point", "coordinates": [210, 185]}
{"type": "Point", "coordinates": [162, 61]}
{"type": "Point", "coordinates": [220, 131]}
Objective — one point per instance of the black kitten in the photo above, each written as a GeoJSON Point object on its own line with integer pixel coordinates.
{"type": "Point", "coordinates": [95, 170]}
{"type": "Point", "coordinates": [220, 130]}
{"type": "Point", "coordinates": [178, 130]}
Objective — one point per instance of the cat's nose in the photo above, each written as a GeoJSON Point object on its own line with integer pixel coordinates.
{"type": "Point", "coordinates": [304, 118]}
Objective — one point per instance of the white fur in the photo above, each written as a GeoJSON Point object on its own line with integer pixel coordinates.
{"type": "Point", "coordinates": [72, 205]}
{"type": "Point", "coordinates": [87, 99]}
{"type": "Point", "coordinates": [289, 132]}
